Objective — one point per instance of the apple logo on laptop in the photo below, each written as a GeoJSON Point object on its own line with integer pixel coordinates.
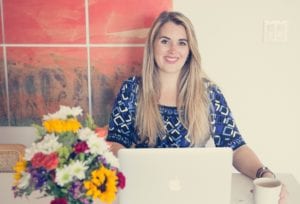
{"type": "Point", "coordinates": [174, 184]}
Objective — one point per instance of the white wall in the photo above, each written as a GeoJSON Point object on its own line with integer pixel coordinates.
{"type": "Point", "coordinates": [260, 80]}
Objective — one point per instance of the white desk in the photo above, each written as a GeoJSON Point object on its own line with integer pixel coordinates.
{"type": "Point", "coordinates": [241, 187]}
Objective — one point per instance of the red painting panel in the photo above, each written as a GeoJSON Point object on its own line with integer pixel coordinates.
{"type": "Point", "coordinates": [3, 96]}
{"type": "Point", "coordinates": [119, 21]}
{"type": "Point", "coordinates": [36, 21]}
{"type": "Point", "coordinates": [41, 79]}
{"type": "Point", "coordinates": [110, 67]}
{"type": "Point", "coordinates": [1, 34]}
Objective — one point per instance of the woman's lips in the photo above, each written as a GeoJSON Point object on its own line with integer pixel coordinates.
{"type": "Point", "coordinates": [171, 59]}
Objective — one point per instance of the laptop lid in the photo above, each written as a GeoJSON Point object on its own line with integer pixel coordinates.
{"type": "Point", "coordinates": [176, 175]}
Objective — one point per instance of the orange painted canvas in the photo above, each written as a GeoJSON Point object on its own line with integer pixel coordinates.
{"type": "Point", "coordinates": [110, 67]}
{"type": "Point", "coordinates": [36, 21]}
{"type": "Point", "coordinates": [41, 79]}
{"type": "Point", "coordinates": [1, 34]}
{"type": "Point", "coordinates": [47, 54]}
{"type": "Point", "coordinates": [3, 97]}
{"type": "Point", "coordinates": [120, 21]}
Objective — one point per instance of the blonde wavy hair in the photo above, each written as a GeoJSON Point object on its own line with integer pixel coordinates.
{"type": "Point", "coordinates": [192, 97]}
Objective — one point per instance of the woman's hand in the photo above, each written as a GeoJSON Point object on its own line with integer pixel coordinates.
{"type": "Point", "coordinates": [283, 193]}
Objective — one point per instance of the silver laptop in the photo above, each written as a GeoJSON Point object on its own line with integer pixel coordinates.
{"type": "Point", "coordinates": [176, 175]}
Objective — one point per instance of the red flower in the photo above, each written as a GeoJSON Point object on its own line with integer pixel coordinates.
{"type": "Point", "coordinates": [59, 201]}
{"type": "Point", "coordinates": [80, 147]}
{"type": "Point", "coordinates": [121, 180]}
{"type": "Point", "coordinates": [48, 161]}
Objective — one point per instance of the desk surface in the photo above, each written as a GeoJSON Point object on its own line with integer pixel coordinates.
{"type": "Point", "coordinates": [240, 193]}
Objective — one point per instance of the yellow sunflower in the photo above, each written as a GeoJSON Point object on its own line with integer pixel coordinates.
{"type": "Point", "coordinates": [102, 185]}
{"type": "Point", "coordinates": [59, 126]}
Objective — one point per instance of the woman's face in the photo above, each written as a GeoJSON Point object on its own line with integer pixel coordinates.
{"type": "Point", "coordinates": [171, 48]}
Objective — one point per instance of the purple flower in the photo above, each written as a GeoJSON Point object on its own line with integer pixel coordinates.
{"type": "Point", "coordinates": [38, 177]}
{"type": "Point", "coordinates": [75, 189]}
{"type": "Point", "coordinates": [85, 201]}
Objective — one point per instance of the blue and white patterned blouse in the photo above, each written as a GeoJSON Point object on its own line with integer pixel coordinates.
{"type": "Point", "coordinates": [122, 121]}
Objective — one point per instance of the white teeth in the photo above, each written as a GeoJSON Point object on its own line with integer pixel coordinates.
{"type": "Point", "coordinates": [171, 59]}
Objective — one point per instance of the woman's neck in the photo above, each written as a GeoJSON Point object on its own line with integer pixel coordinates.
{"type": "Point", "coordinates": [168, 89]}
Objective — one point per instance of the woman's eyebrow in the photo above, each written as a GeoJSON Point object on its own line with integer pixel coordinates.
{"type": "Point", "coordinates": [181, 39]}
{"type": "Point", "coordinates": [164, 37]}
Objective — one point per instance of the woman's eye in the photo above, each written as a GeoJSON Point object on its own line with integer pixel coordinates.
{"type": "Point", "coordinates": [164, 41]}
{"type": "Point", "coordinates": [182, 43]}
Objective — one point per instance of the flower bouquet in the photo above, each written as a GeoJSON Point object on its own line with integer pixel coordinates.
{"type": "Point", "coordinates": [69, 161]}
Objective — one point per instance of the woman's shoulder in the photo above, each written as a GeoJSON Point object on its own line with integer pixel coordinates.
{"type": "Point", "coordinates": [211, 86]}
{"type": "Point", "coordinates": [214, 92]}
{"type": "Point", "coordinates": [132, 80]}
{"type": "Point", "coordinates": [131, 84]}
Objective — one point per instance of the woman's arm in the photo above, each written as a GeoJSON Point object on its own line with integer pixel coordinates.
{"type": "Point", "coordinates": [246, 161]}
{"type": "Point", "coordinates": [121, 130]}
{"type": "Point", "coordinates": [115, 147]}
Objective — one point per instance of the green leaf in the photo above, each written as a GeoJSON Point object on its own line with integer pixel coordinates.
{"type": "Point", "coordinates": [67, 138]}
{"type": "Point", "coordinates": [81, 156]}
{"type": "Point", "coordinates": [90, 123]}
{"type": "Point", "coordinates": [40, 131]}
{"type": "Point", "coordinates": [64, 153]}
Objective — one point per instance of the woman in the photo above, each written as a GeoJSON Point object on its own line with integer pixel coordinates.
{"type": "Point", "coordinates": [173, 104]}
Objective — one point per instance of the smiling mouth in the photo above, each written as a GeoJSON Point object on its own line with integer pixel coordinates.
{"type": "Point", "coordinates": [171, 59]}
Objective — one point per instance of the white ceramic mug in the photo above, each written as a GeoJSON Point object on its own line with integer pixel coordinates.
{"type": "Point", "coordinates": [266, 190]}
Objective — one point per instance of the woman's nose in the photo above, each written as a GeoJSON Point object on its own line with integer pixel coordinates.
{"type": "Point", "coordinates": [172, 48]}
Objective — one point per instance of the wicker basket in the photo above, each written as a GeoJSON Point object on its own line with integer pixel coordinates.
{"type": "Point", "coordinates": [9, 155]}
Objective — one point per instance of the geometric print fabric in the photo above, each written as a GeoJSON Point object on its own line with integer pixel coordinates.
{"type": "Point", "coordinates": [122, 122]}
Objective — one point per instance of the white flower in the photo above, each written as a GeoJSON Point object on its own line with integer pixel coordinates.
{"type": "Point", "coordinates": [63, 176]}
{"type": "Point", "coordinates": [77, 169]}
{"type": "Point", "coordinates": [85, 133]}
{"type": "Point", "coordinates": [97, 145]}
{"type": "Point", "coordinates": [48, 145]}
{"type": "Point", "coordinates": [24, 181]}
{"type": "Point", "coordinates": [67, 173]}
{"type": "Point", "coordinates": [29, 152]}
{"type": "Point", "coordinates": [111, 159]}
{"type": "Point", "coordinates": [63, 113]}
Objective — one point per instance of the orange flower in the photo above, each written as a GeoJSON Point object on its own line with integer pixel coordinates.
{"type": "Point", "coordinates": [101, 131]}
